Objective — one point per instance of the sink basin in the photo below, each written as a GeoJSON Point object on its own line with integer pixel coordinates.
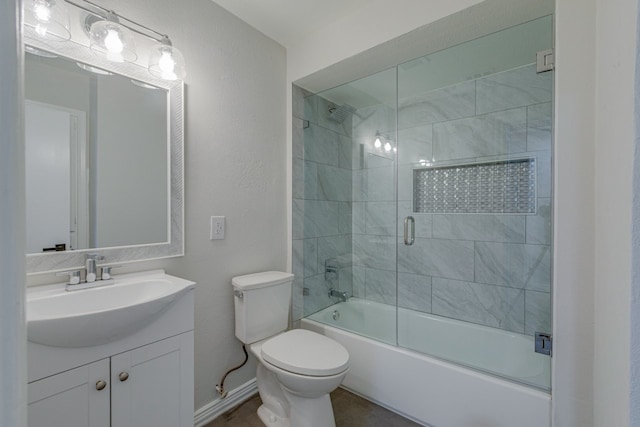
{"type": "Point", "coordinates": [96, 316]}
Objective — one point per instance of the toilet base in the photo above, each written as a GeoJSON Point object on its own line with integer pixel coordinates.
{"type": "Point", "coordinates": [310, 412]}
{"type": "Point", "coordinates": [282, 407]}
{"type": "Point", "coordinates": [270, 419]}
{"type": "Point", "coordinates": [304, 413]}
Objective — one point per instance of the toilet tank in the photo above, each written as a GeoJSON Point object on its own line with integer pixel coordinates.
{"type": "Point", "coordinates": [262, 303]}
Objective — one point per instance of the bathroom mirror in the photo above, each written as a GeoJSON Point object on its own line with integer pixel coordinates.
{"type": "Point", "coordinates": [104, 159]}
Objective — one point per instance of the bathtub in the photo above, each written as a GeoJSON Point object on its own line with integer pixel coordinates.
{"type": "Point", "coordinates": [428, 389]}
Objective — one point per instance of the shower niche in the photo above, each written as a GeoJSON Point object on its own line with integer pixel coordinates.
{"type": "Point", "coordinates": [498, 187]}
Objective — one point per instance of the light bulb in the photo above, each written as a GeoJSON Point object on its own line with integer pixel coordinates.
{"type": "Point", "coordinates": [42, 12]}
{"type": "Point", "coordinates": [166, 62]}
{"type": "Point", "coordinates": [387, 146]}
{"type": "Point", "coordinates": [113, 43]}
{"type": "Point", "coordinates": [167, 65]}
{"type": "Point", "coordinates": [377, 143]}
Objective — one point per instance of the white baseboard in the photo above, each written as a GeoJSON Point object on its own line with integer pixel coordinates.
{"type": "Point", "coordinates": [214, 409]}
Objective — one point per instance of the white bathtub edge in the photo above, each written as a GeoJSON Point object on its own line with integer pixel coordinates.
{"type": "Point", "coordinates": [434, 392]}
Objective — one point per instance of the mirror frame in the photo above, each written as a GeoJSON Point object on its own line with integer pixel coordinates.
{"type": "Point", "coordinates": [68, 260]}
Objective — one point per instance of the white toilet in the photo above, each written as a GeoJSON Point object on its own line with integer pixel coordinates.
{"type": "Point", "coordinates": [297, 369]}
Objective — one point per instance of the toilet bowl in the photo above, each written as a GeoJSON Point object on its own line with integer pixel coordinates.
{"type": "Point", "coordinates": [303, 367]}
{"type": "Point", "coordinates": [296, 369]}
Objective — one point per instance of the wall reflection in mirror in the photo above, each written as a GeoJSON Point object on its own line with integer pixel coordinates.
{"type": "Point", "coordinates": [97, 158]}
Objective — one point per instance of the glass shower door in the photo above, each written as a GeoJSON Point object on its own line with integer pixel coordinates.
{"type": "Point", "coordinates": [474, 203]}
{"type": "Point", "coordinates": [344, 207]}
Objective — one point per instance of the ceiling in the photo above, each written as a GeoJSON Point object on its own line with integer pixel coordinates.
{"type": "Point", "coordinates": [289, 21]}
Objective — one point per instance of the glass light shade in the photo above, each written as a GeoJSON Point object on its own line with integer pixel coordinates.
{"type": "Point", "coordinates": [47, 19]}
{"type": "Point", "coordinates": [166, 62]}
{"type": "Point", "coordinates": [112, 40]}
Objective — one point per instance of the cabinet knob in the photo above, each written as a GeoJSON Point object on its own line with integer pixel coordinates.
{"type": "Point", "coordinates": [123, 376]}
{"type": "Point", "coordinates": [100, 385]}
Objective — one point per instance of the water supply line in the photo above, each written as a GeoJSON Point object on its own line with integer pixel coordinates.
{"type": "Point", "coordinates": [220, 387]}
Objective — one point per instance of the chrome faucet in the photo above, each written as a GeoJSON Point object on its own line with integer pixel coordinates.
{"type": "Point", "coordinates": [91, 267]}
{"type": "Point", "coordinates": [342, 295]}
{"type": "Point", "coordinates": [91, 275]}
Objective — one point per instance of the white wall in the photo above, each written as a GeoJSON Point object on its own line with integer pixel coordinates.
{"type": "Point", "coordinates": [13, 390]}
{"type": "Point", "coordinates": [574, 214]}
{"type": "Point", "coordinates": [234, 166]}
{"type": "Point", "coordinates": [362, 29]}
{"type": "Point", "coordinates": [615, 83]}
{"type": "Point", "coordinates": [634, 378]}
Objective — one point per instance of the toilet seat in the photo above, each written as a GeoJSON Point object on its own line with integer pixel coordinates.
{"type": "Point", "coordinates": [306, 353]}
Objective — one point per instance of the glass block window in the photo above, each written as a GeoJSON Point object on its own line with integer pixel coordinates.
{"type": "Point", "coordinates": [505, 187]}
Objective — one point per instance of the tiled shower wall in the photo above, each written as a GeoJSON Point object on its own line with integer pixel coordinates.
{"type": "Point", "coordinates": [488, 269]}
{"type": "Point", "coordinates": [321, 202]}
{"type": "Point", "coordinates": [493, 270]}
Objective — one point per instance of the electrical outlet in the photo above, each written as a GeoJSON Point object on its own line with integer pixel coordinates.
{"type": "Point", "coordinates": [216, 231]}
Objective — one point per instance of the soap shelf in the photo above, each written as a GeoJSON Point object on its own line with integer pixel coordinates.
{"type": "Point", "coordinates": [495, 187]}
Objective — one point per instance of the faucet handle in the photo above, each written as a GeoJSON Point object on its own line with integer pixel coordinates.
{"type": "Point", "coordinates": [74, 276]}
{"type": "Point", "coordinates": [106, 271]}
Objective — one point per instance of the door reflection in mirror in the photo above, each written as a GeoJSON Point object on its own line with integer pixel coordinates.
{"type": "Point", "coordinates": [97, 158]}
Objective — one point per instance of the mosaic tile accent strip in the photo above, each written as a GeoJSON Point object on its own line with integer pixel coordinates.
{"type": "Point", "coordinates": [503, 187]}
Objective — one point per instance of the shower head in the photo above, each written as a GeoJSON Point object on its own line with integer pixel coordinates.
{"type": "Point", "coordinates": [339, 113]}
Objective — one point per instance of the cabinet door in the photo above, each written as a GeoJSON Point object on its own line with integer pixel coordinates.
{"type": "Point", "coordinates": [71, 398]}
{"type": "Point", "coordinates": [152, 386]}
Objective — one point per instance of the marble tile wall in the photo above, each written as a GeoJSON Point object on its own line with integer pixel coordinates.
{"type": "Point", "coordinates": [322, 202]}
{"type": "Point", "coordinates": [493, 270]}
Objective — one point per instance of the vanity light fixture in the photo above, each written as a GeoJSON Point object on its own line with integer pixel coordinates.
{"type": "Point", "coordinates": [110, 35]}
{"type": "Point", "coordinates": [384, 143]}
{"type": "Point", "coordinates": [48, 18]}
{"type": "Point", "coordinates": [110, 38]}
{"type": "Point", "coordinates": [166, 62]}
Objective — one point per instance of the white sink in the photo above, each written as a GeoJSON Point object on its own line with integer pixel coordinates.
{"type": "Point", "coordinates": [96, 316]}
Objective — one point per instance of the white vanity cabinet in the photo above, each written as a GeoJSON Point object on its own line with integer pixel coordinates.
{"type": "Point", "coordinates": [150, 386]}
{"type": "Point", "coordinates": [141, 379]}
{"type": "Point", "coordinates": [71, 398]}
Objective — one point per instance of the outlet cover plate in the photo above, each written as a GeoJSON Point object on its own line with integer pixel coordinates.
{"type": "Point", "coordinates": [216, 229]}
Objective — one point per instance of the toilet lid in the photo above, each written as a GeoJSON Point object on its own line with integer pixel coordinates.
{"type": "Point", "coordinates": [307, 353]}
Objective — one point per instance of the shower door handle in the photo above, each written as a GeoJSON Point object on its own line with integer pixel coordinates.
{"type": "Point", "coordinates": [409, 239]}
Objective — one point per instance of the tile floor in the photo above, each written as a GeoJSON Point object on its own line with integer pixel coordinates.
{"type": "Point", "coordinates": [350, 411]}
